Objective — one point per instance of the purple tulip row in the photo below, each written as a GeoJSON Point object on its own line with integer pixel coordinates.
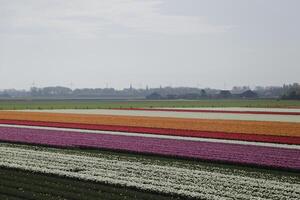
{"type": "Point", "coordinates": [230, 153]}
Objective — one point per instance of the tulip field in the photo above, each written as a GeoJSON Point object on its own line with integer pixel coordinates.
{"type": "Point", "coordinates": [150, 153]}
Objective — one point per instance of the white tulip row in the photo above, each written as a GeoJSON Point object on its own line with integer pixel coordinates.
{"type": "Point", "coordinates": [171, 114]}
{"type": "Point", "coordinates": [292, 110]}
{"type": "Point", "coordinates": [185, 179]}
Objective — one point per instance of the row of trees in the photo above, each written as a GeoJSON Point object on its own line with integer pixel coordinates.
{"type": "Point", "coordinates": [111, 92]}
{"type": "Point", "coordinates": [222, 94]}
{"type": "Point", "coordinates": [290, 91]}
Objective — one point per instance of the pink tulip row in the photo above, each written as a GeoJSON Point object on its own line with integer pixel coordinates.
{"type": "Point", "coordinates": [270, 157]}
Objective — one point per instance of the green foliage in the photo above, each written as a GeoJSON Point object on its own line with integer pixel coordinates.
{"type": "Point", "coordinates": [291, 92]}
{"type": "Point", "coordinates": [19, 184]}
{"type": "Point", "coordinates": [96, 104]}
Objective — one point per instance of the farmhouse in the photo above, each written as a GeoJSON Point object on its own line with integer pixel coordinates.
{"type": "Point", "coordinates": [249, 94]}
{"type": "Point", "coordinates": [225, 94]}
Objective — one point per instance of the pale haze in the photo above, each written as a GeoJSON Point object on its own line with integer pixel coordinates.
{"type": "Point", "coordinates": [115, 43]}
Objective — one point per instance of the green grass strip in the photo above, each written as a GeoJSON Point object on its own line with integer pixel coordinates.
{"type": "Point", "coordinates": [106, 104]}
{"type": "Point", "coordinates": [28, 185]}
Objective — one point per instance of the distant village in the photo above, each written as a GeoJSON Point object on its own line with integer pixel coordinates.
{"type": "Point", "coordinates": [290, 91]}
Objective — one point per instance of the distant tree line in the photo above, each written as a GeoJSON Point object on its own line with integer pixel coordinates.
{"type": "Point", "coordinates": [222, 94]}
{"type": "Point", "coordinates": [290, 91]}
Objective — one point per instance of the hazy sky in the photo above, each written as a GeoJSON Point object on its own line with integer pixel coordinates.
{"type": "Point", "coordinates": [203, 43]}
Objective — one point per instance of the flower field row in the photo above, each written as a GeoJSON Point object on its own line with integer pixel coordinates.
{"type": "Point", "coordinates": [179, 114]}
{"type": "Point", "coordinates": [239, 109]}
{"type": "Point", "coordinates": [222, 110]}
{"type": "Point", "coordinates": [228, 126]}
{"type": "Point", "coordinates": [159, 136]}
{"type": "Point", "coordinates": [165, 177]}
{"type": "Point", "coordinates": [174, 153]}
{"type": "Point", "coordinates": [220, 152]}
{"type": "Point", "coordinates": [162, 131]}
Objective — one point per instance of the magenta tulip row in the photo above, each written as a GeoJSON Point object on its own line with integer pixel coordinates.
{"type": "Point", "coordinates": [229, 153]}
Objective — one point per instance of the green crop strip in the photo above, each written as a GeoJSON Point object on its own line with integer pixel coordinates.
{"type": "Point", "coordinates": [107, 104]}
{"type": "Point", "coordinates": [19, 184]}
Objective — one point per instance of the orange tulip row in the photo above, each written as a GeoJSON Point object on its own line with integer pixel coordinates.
{"type": "Point", "coordinates": [230, 126]}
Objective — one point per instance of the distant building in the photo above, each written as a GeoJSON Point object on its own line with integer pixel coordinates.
{"type": "Point", "coordinates": [4, 95]}
{"type": "Point", "coordinates": [154, 96]}
{"type": "Point", "coordinates": [249, 94]}
{"type": "Point", "coordinates": [190, 96]}
{"type": "Point", "coordinates": [172, 96]}
{"type": "Point", "coordinates": [224, 94]}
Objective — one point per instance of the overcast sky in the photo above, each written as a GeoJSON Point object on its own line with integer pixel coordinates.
{"type": "Point", "coordinates": [198, 43]}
